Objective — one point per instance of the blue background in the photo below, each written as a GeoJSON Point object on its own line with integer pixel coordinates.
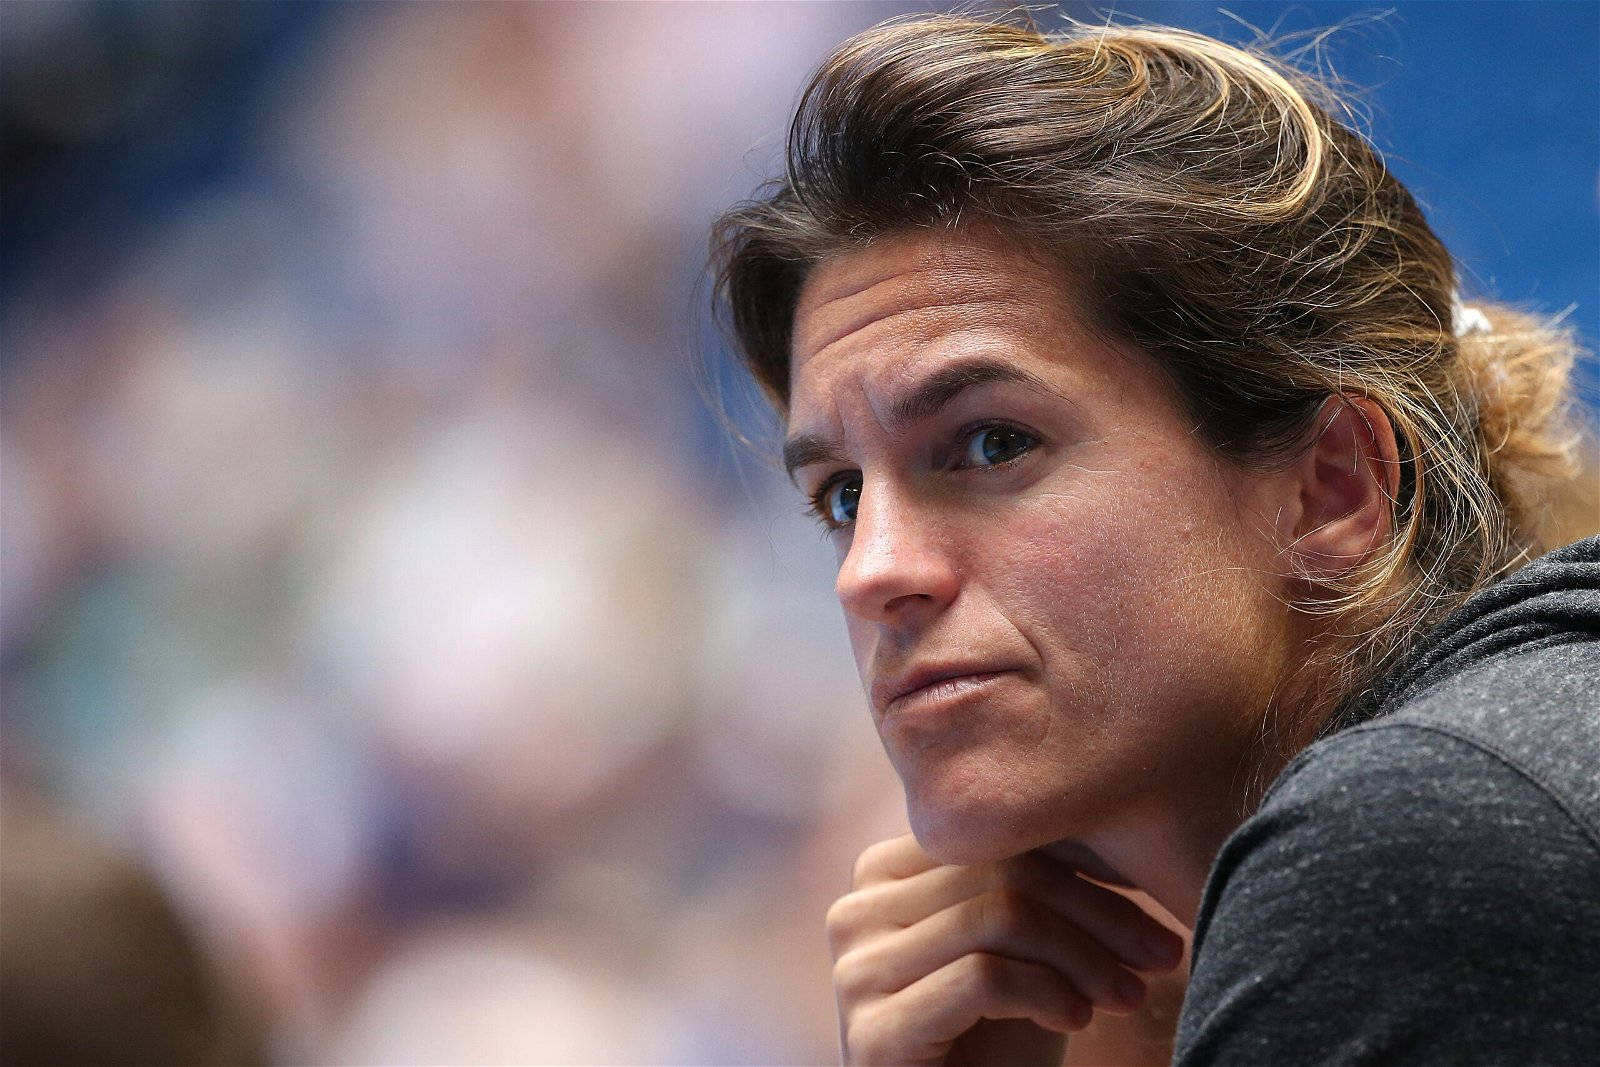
{"type": "Point", "coordinates": [1489, 112]}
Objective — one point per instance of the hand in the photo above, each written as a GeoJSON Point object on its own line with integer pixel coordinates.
{"type": "Point", "coordinates": [992, 963]}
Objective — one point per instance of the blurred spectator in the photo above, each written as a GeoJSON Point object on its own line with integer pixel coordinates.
{"type": "Point", "coordinates": [95, 966]}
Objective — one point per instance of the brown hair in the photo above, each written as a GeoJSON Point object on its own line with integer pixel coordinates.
{"type": "Point", "coordinates": [1222, 219]}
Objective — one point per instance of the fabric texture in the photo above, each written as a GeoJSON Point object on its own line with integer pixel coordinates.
{"type": "Point", "coordinates": [1424, 885]}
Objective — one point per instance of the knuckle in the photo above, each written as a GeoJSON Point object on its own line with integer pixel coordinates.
{"type": "Point", "coordinates": [879, 861]}
{"type": "Point", "coordinates": [843, 920]}
{"type": "Point", "coordinates": [987, 971]}
{"type": "Point", "coordinates": [853, 973]}
{"type": "Point", "coordinates": [1003, 912]}
{"type": "Point", "coordinates": [863, 1037]}
{"type": "Point", "coordinates": [867, 864]}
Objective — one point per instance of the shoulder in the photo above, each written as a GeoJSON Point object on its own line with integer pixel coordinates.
{"type": "Point", "coordinates": [1531, 716]}
{"type": "Point", "coordinates": [1536, 711]}
{"type": "Point", "coordinates": [1419, 887]}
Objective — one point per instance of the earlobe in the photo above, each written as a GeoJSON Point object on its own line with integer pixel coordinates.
{"type": "Point", "coordinates": [1348, 478]}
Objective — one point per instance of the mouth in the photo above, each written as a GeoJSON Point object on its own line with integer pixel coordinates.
{"type": "Point", "coordinates": [930, 686]}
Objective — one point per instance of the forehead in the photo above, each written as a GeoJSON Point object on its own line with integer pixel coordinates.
{"type": "Point", "coordinates": [915, 286]}
{"type": "Point", "coordinates": [878, 317]}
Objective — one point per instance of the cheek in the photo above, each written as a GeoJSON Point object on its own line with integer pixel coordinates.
{"type": "Point", "coordinates": [1133, 571]}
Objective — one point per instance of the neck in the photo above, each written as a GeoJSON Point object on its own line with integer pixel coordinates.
{"type": "Point", "coordinates": [1170, 862]}
{"type": "Point", "coordinates": [1166, 848]}
{"type": "Point", "coordinates": [1168, 853]}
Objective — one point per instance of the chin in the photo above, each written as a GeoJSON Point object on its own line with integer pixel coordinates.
{"type": "Point", "coordinates": [980, 805]}
{"type": "Point", "coordinates": [964, 835]}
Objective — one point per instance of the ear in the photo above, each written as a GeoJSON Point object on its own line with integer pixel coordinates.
{"type": "Point", "coordinates": [1347, 481]}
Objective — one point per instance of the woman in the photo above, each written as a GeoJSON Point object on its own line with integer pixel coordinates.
{"type": "Point", "coordinates": [1165, 466]}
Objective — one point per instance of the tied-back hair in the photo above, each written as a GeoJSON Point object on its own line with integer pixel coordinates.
{"type": "Point", "coordinates": [1217, 215]}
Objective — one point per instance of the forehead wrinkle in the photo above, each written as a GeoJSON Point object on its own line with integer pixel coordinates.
{"type": "Point", "coordinates": [840, 316]}
{"type": "Point", "coordinates": [858, 305]}
{"type": "Point", "coordinates": [918, 334]}
{"type": "Point", "coordinates": [903, 331]}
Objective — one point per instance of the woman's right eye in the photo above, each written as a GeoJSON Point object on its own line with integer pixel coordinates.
{"type": "Point", "coordinates": [835, 503]}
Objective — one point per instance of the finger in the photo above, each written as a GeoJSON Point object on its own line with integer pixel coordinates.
{"type": "Point", "coordinates": [885, 906]}
{"type": "Point", "coordinates": [891, 860]}
{"type": "Point", "coordinates": [1116, 922]}
{"type": "Point", "coordinates": [1002, 922]}
{"type": "Point", "coordinates": [920, 1022]}
{"type": "Point", "coordinates": [1134, 935]}
{"type": "Point", "coordinates": [879, 871]}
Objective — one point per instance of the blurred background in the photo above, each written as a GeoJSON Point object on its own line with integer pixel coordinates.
{"type": "Point", "coordinates": [378, 588]}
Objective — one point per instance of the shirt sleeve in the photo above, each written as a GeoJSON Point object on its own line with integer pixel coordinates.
{"type": "Point", "coordinates": [1403, 896]}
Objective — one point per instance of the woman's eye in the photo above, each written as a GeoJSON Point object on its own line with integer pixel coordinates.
{"type": "Point", "coordinates": [836, 502]}
{"type": "Point", "coordinates": [993, 445]}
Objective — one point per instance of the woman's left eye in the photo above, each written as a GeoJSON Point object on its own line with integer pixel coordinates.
{"type": "Point", "coordinates": [993, 445]}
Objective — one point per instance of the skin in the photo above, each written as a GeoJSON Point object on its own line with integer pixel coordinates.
{"type": "Point", "coordinates": [1025, 504]}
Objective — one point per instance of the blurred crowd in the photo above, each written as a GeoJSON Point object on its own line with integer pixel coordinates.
{"type": "Point", "coordinates": [374, 572]}
{"type": "Point", "coordinates": [381, 594]}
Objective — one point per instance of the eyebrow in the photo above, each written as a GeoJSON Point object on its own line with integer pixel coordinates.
{"type": "Point", "coordinates": [922, 402]}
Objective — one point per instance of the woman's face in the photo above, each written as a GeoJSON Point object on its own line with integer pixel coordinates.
{"type": "Point", "coordinates": [1066, 610]}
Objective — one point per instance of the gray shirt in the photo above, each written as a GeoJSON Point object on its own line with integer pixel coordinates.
{"type": "Point", "coordinates": [1424, 886]}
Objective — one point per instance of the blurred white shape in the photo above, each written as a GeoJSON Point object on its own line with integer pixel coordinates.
{"type": "Point", "coordinates": [438, 133]}
{"type": "Point", "coordinates": [517, 599]}
{"type": "Point", "coordinates": [260, 804]}
{"type": "Point", "coordinates": [220, 423]}
{"type": "Point", "coordinates": [469, 995]}
{"type": "Point", "coordinates": [671, 145]}
{"type": "Point", "coordinates": [503, 165]}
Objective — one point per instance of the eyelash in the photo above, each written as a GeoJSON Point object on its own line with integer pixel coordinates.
{"type": "Point", "coordinates": [817, 506]}
{"type": "Point", "coordinates": [967, 433]}
{"type": "Point", "coordinates": [817, 503]}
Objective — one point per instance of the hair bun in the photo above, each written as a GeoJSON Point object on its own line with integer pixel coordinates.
{"type": "Point", "coordinates": [1514, 368]}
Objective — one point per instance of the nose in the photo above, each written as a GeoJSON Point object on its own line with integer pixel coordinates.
{"type": "Point", "coordinates": [896, 570]}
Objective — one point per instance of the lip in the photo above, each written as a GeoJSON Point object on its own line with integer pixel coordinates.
{"type": "Point", "coordinates": [898, 692]}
